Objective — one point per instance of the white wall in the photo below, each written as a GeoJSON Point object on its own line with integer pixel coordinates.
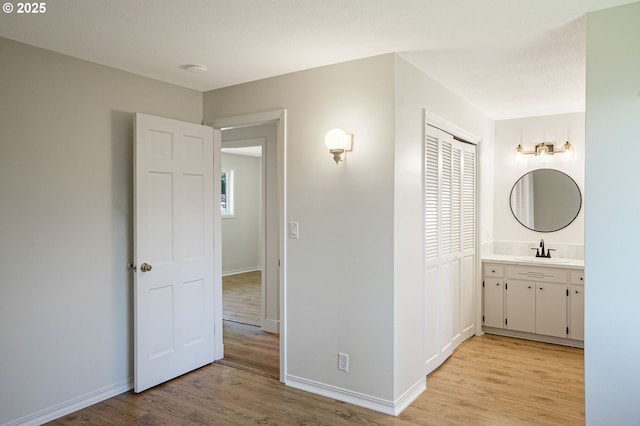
{"type": "Point", "coordinates": [612, 347]}
{"type": "Point", "coordinates": [241, 239]}
{"type": "Point", "coordinates": [415, 92]}
{"type": "Point", "coordinates": [508, 169]}
{"type": "Point", "coordinates": [66, 135]}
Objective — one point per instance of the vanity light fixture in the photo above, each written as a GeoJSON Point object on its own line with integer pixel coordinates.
{"type": "Point", "coordinates": [338, 141]}
{"type": "Point", "coordinates": [546, 148]}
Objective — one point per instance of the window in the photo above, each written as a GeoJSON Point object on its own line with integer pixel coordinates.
{"type": "Point", "coordinates": [226, 198]}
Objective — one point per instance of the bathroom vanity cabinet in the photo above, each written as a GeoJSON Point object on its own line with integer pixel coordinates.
{"type": "Point", "coordinates": [543, 303]}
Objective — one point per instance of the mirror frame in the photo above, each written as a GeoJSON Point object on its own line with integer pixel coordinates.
{"type": "Point", "coordinates": [554, 230]}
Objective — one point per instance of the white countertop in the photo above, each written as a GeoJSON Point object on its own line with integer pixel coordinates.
{"type": "Point", "coordinates": [535, 261]}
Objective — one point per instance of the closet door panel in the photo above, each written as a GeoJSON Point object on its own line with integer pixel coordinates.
{"type": "Point", "coordinates": [431, 251]}
{"type": "Point", "coordinates": [449, 190]}
{"type": "Point", "coordinates": [468, 206]}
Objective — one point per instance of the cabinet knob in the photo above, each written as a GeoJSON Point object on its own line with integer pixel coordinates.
{"type": "Point", "coordinates": [540, 288]}
{"type": "Point", "coordinates": [581, 278]}
{"type": "Point", "coordinates": [493, 270]}
{"type": "Point", "coordinates": [498, 284]}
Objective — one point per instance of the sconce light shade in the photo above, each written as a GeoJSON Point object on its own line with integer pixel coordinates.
{"type": "Point", "coordinates": [338, 141]}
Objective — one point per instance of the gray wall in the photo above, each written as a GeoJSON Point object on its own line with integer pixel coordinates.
{"type": "Point", "coordinates": [66, 134]}
{"type": "Point", "coordinates": [241, 239]}
{"type": "Point", "coordinates": [339, 272]}
{"type": "Point", "coordinates": [612, 201]}
{"type": "Point", "coordinates": [354, 276]}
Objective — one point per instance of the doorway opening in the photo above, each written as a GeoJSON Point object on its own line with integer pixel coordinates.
{"type": "Point", "coordinates": [242, 205]}
{"type": "Point", "coordinates": [251, 206]}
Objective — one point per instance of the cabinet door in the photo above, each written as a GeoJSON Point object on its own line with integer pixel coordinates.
{"type": "Point", "coordinates": [551, 309]}
{"type": "Point", "coordinates": [493, 313]}
{"type": "Point", "coordinates": [521, 306]}
{"type": "Point", "coordinates": [576, 324]}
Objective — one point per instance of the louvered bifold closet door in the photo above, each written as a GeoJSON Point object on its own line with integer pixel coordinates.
{"type": "Point", "coordinates": [432, 246]}
{"type": "Point", "coordinates": [449, 226]}
{"type": "Point", "coordinates": [456, 242]}
{"type": "Point", "coordinates": [446, 255]}
{"type": "Point", "coordinates": [468, 246]}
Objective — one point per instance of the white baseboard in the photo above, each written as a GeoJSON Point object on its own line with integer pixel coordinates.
{"type": "Point", "coordinates": [241, 271]}
{"type": "Point", "coordinates": [393, 408]}
{"type": "Point", "coordinates": [407, 398]}
{"type": "Point", "coordinates": [537, 337]}
{"type": "Point", "coordinates": [74, 404]}
{"type": "Point", "coordinates": [270, 326]}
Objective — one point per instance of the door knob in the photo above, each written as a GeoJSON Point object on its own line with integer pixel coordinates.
{"type": "Point", "coordinates": [145, 267]}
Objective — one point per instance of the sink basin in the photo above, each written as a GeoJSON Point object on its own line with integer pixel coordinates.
{"type": "Point", "coordinates": [542, 259]}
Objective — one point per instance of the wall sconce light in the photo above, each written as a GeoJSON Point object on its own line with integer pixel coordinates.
{"type": "Point", "coordinates": [545, 148]}
{"type": "Point", "coordinates": [338, 141]}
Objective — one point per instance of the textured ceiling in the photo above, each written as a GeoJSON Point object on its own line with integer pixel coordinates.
{"type": "Point", "coordinates": [510, 58]}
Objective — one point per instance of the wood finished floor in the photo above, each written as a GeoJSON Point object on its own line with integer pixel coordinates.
{"type": "Point", "coordinates": [489, 380]}
{"type": "Point", "coordinates": [246, 346]}
{"type": "Point", "coordinates": [242, 298]}
{"type": "Point", "coordinates": [249, 348]}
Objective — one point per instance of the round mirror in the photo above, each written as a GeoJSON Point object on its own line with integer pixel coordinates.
{"type": "Point", "coordinates": [545, 200]}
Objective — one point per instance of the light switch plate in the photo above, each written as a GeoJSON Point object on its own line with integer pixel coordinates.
{"type": "Point", "coordinates": [294, 230]}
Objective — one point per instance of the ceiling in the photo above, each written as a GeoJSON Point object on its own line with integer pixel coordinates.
{"type": "Point", "coordinates": [509, 58]}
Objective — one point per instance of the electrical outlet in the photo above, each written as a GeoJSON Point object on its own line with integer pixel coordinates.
{"type": "Point", "coordinates": [343, 362]}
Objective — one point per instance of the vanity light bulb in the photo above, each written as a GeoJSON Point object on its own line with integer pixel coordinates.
{"type": "Point", "coordinates": [542, 149]}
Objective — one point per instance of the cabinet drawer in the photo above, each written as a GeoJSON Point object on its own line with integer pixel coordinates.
{"type": "Point", "coordinates": [493, 270]}
{"type": "Point", "coordinates": [548, 275]}
{"type": "Point", "coordinates": [577, 277]}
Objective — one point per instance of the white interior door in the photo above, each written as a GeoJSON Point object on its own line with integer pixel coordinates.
{"type": "Point", "coordinates": [173, 248]}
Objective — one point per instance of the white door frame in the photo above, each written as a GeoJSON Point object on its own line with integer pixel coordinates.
{"type": "Point", "coordinates": [279, 117]}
